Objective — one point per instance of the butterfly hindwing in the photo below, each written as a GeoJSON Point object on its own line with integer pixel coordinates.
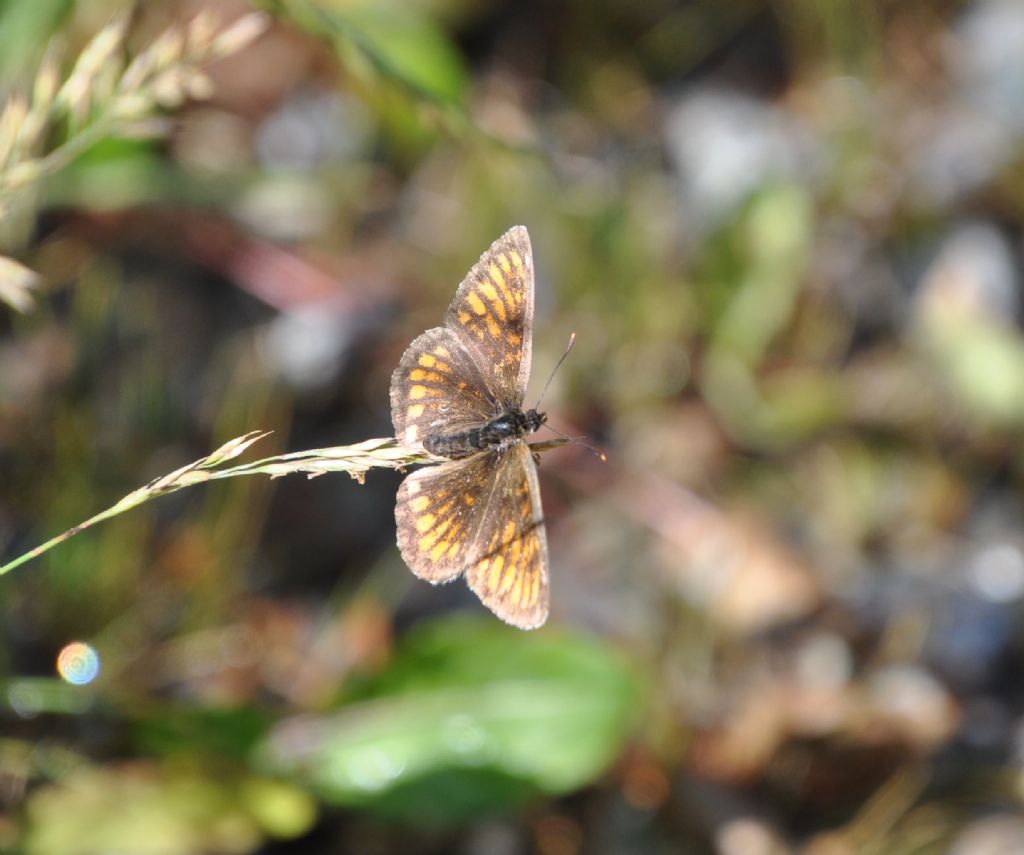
{"type": "Point", "coordinates": [510, 570]}
{"type": "Point", "coordinates": [439, 512]}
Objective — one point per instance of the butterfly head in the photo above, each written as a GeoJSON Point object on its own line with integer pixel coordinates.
{"type": "Point", "coordinates": [534, 420]}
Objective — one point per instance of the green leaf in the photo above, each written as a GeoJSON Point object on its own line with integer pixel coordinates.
{"type": "Point", "coordinates": [24, 29]}
{"type": "Point", "coordinates": [470, 716]}
{"type": "Point", "coordinates": [220, 732]}
{"type": "Point", "coordinates": [407, 47]}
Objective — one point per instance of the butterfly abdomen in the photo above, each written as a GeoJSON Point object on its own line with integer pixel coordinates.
{"type": "Point", "coordinates": [507, 427]}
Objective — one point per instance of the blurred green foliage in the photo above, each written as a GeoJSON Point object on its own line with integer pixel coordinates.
{"type": "Point", "coordinates": [164, 811]}
{"type": "Point", "coordinates": [788, 238]}
{"type": "Point", "coordinates": [24, 28]}
{"type": "Point", "coordinates": [469, 718]}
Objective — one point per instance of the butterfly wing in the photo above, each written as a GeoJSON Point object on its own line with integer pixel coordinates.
{"type": "Point", "coordinates": [438, 512]}
{"type": "Point", "coordinates": [438, 388]}
{"type": "Point", "coordinates": [481, 515]}
{"type": "Point", "coordinates": [509, 571]}
{"type": "Point", "coordinates": [492, 315]}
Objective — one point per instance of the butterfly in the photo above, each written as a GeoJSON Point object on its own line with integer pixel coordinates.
{"type": "Point", "coordinates": [458, 394]}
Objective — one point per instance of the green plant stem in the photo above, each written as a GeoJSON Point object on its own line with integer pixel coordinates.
{"type": "Point", "coordinates": [112, 511]}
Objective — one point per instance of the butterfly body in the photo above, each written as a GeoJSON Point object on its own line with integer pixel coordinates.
{"type": "Point", "coordinates": [458, 394]}
{"type": "Point", "coordinates": [498, 433]}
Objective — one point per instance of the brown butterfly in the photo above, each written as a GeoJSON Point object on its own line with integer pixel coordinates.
{"type": "Point", "coordinates": [458, 393]}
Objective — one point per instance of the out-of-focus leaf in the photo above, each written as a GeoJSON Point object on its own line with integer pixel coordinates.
{"type": "Point", "coordinates": [114, 174]}
{"type": "Point", "coordinates": [24, 28]}
{"type": "Point", "coordinates": [975, 353]}
{"type": "Point", "coordinates": [774, 237]}
{"type": "Point", "coordinates": [470, 716]}
{"type": "Point", "coordinates": [227, 732]}
{"type": "Point", "coordinates": [32, 696]}
{"type": "Point", "coordinates": [406, 47]}
{"type": "Point", "coordinates": [151, 810]}
{"type": "Point", "coordinates": [772, 242]}
{"type": "Point", "coordinates": [411, 72]}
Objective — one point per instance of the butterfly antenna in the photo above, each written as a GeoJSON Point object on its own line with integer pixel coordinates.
{"type": "Point", "coordinates": [574, 439]}
{"type": "Point", "coordinates": [579, 440]}
{"type": "Point", "coordinates": [544, 391]}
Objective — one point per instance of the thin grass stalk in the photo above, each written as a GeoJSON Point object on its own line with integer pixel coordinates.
{"type": "Point", "coordinates": [356, 460]}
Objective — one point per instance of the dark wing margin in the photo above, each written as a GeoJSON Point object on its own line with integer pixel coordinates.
{"type": "Point", "coordinates": [492, 314]}
{"type": "Point", "coordinates": [509, 571]}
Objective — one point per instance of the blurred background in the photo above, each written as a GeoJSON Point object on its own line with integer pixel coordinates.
{"type": "Point", "coordinates": [786, 613]}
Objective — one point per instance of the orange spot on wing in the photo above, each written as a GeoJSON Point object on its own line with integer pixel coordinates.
{"type": "Point", "coordinates": [508, 579]}
{"type": "Point", "coordinates": [427, 360]}
{"type": "Point", "coordinates": [514, 551]}
{"type": "Point", "coordinates": [494, 577]}
{"type": "Point", "coordinates": [415, 411]}
{"type": "Point", "coordinates": [417, 392]}
{"type": "Point", "coordinates": [530, 590]}
{"type": "Point", "coordinates": [443, 526]}
{"type": "Point", "coordinates": [425, 523]}
{"type": "Point", "coordinates": [476, 303]}
{"type": "Point", "coordinates": [516, 594]}
{"type": "Point", "coordinates": [491, 293]}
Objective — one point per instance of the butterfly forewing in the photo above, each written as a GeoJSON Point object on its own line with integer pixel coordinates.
{"type": "Point", "coordinates": [437, 388]}
{"type": "Point", "coordinates": [492, 314]}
